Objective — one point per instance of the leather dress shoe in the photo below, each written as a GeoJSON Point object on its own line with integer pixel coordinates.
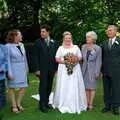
{"type": "Point", "coordinates": [49, 106]}
{"type": "Point", "coordinates": [116, 111]}
{"type": "Point", "coordinates": [106, 109]}
{"type": "Point", "coordinates": [43, 109]}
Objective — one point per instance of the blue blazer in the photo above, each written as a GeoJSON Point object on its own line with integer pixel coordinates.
{"type": "Point", "coordinates": [3, 61]}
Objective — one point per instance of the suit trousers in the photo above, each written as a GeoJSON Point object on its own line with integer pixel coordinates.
{"type": "Point", "coordinates": [111, 84]}
{"type": "Point", "coordinates": [45, 86]}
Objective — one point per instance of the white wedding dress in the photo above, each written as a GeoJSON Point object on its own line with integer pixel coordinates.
{"type": "Point", "coordinates": [69, 96]}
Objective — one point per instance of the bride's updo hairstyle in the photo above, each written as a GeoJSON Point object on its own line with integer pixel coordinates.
{"type": "Point", "coordinates": [67, 33]}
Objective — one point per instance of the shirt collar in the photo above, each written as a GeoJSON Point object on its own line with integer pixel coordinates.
{"type": "Point", "coordinates": [48, 38]}
{"type": "Point", "coordinates": [113, 39]}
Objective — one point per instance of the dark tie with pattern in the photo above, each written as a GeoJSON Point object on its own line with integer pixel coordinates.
{"type": "Point", "coordinates": [47, 42]}
{"type": "Point", "coordinates": [110, 44]}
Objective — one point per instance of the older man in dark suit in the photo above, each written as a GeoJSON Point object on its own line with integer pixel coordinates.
{"type": "Point", "coordinates": [44, 65]}
{"type": "Point", "coordinates": [111, 71]}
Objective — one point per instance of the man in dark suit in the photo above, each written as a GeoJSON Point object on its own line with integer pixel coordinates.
{"type": "Point", "coordinates": [45, 65]}
{"type": "Point", "coordinates": [111, 71]}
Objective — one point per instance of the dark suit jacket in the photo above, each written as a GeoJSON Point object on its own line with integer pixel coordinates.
{"type": "Point", "coordinates": [111, 58]}
{"type": "Point", "coordinates": [44, 56]}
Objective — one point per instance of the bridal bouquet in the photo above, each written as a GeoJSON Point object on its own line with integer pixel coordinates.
{"type": "Point", "coordinates": [68, 59]}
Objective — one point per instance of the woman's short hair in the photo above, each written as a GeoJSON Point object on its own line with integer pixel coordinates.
{"type": "Point", "coordinates": [11, 36]}
{"type": "Point", "coordinates": [92, 33]}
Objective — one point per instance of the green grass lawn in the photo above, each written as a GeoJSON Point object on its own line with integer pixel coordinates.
{"type": "Point", "coordinates": [32, 113]}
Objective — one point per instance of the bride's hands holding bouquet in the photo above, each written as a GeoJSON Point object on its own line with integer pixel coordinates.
{"type": "Point", "coordinates": [70, 61]}
{"type": "Point", "coordinates": [74, 59]}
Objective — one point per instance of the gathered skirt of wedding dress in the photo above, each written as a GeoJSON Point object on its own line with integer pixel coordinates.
{"type": "Point", "coordinates": [69, 96]}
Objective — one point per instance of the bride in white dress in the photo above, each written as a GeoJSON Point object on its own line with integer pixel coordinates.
{"type": "Point", "coordinates": [69, 96]}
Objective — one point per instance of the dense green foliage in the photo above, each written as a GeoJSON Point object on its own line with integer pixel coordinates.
{"type": "Point", "coordinates": [77, 16]}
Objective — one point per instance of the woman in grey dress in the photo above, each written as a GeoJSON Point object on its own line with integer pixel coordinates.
{"type": "Point", "coordinates": [17, 69]}
{"type": "Point", "coordinates": [91, 66]}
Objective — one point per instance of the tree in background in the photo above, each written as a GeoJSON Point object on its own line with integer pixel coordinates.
{"type": "Point", "coordinates": [76, 16]}
{"type": "Point", "coordinates": [80, 16]}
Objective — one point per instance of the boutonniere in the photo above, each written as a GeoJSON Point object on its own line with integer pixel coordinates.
{"type": "Point", "coordinates": [116, 42]}
{"type": "Point", "coordinates": [52, 40]}
{"type": "Point", "coordinates": [93, 51]}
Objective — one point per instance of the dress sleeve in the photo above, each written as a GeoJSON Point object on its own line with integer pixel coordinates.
{"type": "Point", "coordinates": [26, 61]}
{"type": "Point", "coordinates": [3, 66]}
{"type": "Point", "coordinates": [9, 61]}
{"type": "Point", "coordinates": [79, 54]}
{"type": "Point", "coordinates": [58, 53]}
{"type": "Point", "coordinates": [99, 61]}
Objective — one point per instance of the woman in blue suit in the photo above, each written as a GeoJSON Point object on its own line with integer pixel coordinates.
{"type": "Point", "coordinates": [3, 69]}
{"type": "Point", "coordinates": [17, 69]}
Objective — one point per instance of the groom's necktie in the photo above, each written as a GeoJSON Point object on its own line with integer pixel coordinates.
{"type": "Point", "coordinates": [110, 44]}
{"type": "Point", "coordinates": [47, 42]}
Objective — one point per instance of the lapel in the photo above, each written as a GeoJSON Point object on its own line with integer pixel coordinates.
{"type": "Point", "coordinates": [92, 53]}
{"type": "Point", "coordinates": [51, 43]}
{"type": "Point", "coordinates": [116, 43]}
{"type": "Point", "coordinates": [44, 46]}
{"type": "Point", "coordinates": [43, 43]}
{"type": "Point", "coordinates": [15, 47]}
{"type": "Point", "coordinates": [106, 46]}
{"type": "Point", "coordinates": [22, 52]}
{"type": "Point", "coordinates": [85, 52]}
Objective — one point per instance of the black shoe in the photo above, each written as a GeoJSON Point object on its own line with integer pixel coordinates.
{"type": "Point", "coordinates": [49, 106]}
{"type": "Point", "coordinates": [106, 109]}
{"type": "Point", "coordinates": [116, 111]}
{"type": "Point", "coordinates": [43, 109]}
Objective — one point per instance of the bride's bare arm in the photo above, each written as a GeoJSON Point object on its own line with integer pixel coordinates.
{"type": "Point", "coordinates": [60, 60]}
